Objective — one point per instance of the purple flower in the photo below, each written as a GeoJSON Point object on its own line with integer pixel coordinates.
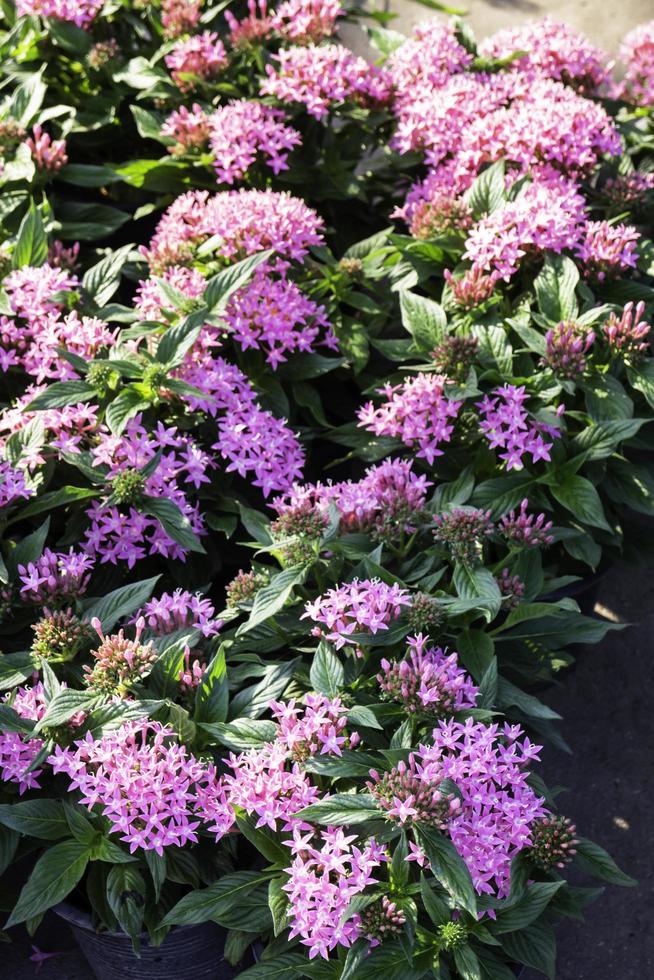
{"type": "Point", "coordinates": [428, 680]}
{"type": "Point", "coordinates": [506, 424]}
{"type": "Point", "coordinates": [360, 606]}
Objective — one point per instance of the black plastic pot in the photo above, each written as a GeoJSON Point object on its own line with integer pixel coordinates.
{"type": "Point", "coordinates": [187, 952]}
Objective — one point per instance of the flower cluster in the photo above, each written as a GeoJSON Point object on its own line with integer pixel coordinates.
{"type": "Point", "coordinates": [179, 610]}
{"type": "Point", "coordinates": [628, 335]}
{"type": "Point", "coordinates": [508, 425]}
{"type": "Point", "coordinates": [428, 680]}
{"type": "Point", "coordinates": [306, 21]}
{"type": "Point", "coordinates": [637, 53]}
{"type": "Point", "coordinates": [488, 764]}
{"type": "Point", "coordinates": [327, 872]}
{"type": "Point", "coordinates": [244, 222]}
{"type": "Point", "coordinates": [56, 577]}
{"type": "Point", "coordinates": [119, 663]}
{"type": "Point", "coordinates": [319, 78]}
{"type": "Point", "coordinates": [49, 155]}
{"type": "Point", "coordinates": [59, 635]}
{"type": "Point", "coordinates": [464, 530]}
{"type": "Point", "coordinates": [12, 484]}
{"type": "Point", "coordinates": [551, 49]}
{"type": "Point", "coordinates": [406, 794]}
{"type": "Point", "coordinates": [78, 12]}
{"type": "Point", "coordinates": [359, 607]}
{"type": "Point", "coordinates": [189, 128]}
{"type": "Point", "coordinates": [607, 250]}
{"type": "Point", "coordinates": [196, 60]}
{"type": "Point", "coordinates": [524, 530]}
{"type": "Point", "coordinates": [178, 17]}
{"type": "Point", "coordinates": [154, 793]}
{"type": "Point", "coordinates": [389, 498]}
{"type": "Point", "coordinates": [19, 752]}
{"type": "Point", "coordinates": [417, 411]}
{"type": "Point", "coordinates": [243, 132]}
{"type": "Point", "coordinates": [566, 346]}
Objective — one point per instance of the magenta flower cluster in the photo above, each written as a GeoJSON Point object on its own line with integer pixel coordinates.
{"type": "Point", "coordinates": [56, 577]}
{"type": "Point", "coordinates": [78, 12]}
{"type": "Point", "coordinates": [19, 752]}
{"type": "Point", "coordinates": [427, 680]}
{"type": "Point", "coordinates": [12, 484]}
{"type": "Point", "coordinates": [179, 610]}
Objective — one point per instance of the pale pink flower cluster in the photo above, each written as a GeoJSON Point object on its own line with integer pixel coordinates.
{"type": "Point", "coordinates": [545, 217]}
{"type": "Point", "coordinates": [508, 425]}
{"type": "Point", "coordinates": [637, 53]}
{"type": "Point", "coordinates": [124, 533]}
{"type": "Point", "coordinates": [429, 58]}
{"type": "Point", "coordinates": [78, 12]}
{"type": "Point", "coordinates": [327, 872]}
{"type": "Point", "coordinates": [488, 764]}
{"type": "Point", "coordinates": [306, 21]}
{"type": "Point", "coordinates": [178, 610]}
{"type": "Point", "coordinates": [262, 447]}
{"type": "Point", "coordinates": [196, 60]}
{"type": "Point", "coordinates": [33, 338]}
{"type": "Point", "coordinates": [607, 250]}
{"type": "Point", "coordinates": [256, 26]}
{"type": "Point", "coordinates": [154, 793]}
{"type": "Point", "coordinates": [56, 577]}
{"type": "Point", "coordinates": [554, 50]}
{"type": "Point", "coordinates": [49, 155]}
{"type": "Point", "coordinates": [628, 334]}
{"type": "Point", "coordinates": [322, 77]}
{"type": "Point", "coordinates": [119, 663]}
{"type": "Point", "coordinates": [417, 411]}
{"type": "Point", "coordinates": [67, 429]}
{"type": "Point", "coordinates": [244, 221]}
{"type": "Point", "coordinates": [180, 16]}
{"type": "Point", "coordinates": [18, 752]}
{"type": "Point", "coordinates": [388, 491]}
{"type": "Point", "coordinates": [270, 783]}
{"type": "Point", "coordinates": [188, 127]}
{"type": "Point", "coordinates": [12, 484]}
{"type": "Point", "coordinates": [243, 132]}
{"type": "Point", "coordinates": [427, 680]}
{"type": "Point", "coordinates": [362, 606]}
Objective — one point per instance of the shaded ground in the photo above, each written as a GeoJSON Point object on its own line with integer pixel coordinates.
{"type": "Point", "coordinates": [607, 719]}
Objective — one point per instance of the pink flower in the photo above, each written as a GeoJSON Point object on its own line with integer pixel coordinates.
{"type": "Point", "coordinates": [524, 530]}
{"type": "Point", "coordinates": [428, 680]}
{"type": "Point", "coordinates": [154, 793]}
{"type": "Point", "coordinates": [417, 412]}
{"type": "Point", "coordinates": [306, 21]}
{"type": "Point", "coordinates": [188, 127]}
{"type": "Point", "coordinates": [243, 132]}
{"type": "Point", "coordinates": [506, 424]}
{"type": "Point", "coordinates": [49, 155]}
{"type": "Point", "coordinates": [12, 484]}
{"type": "Point", "coordinates": [321, 77]}
{"type": "Point", "coordinates": [180, 16]}
{"type": "Point", "coordinates": [628, 335]}
{"type": "Point", "coordinates": [18, 752]}
{"type": "Point", "coordinates": [78, 12]}
{"type": "Point", "coordinates": [607, 249]}
{"type": "Point", "coordinates": [180, 610]}
{"type": "Point", "coordinates": [637, 53]}
{"type": "Point", "coordinates": [55, 578]}
{"type": "Point", "coordinates": [196, 60]}
{"type": "Point", "coordinates": [360, 606]}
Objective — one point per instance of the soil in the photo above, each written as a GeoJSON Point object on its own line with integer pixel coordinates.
{"type": "Point", "coordinates": [607, 719]}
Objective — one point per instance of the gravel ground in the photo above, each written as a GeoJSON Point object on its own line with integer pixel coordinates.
{"type": "Point", "coordinates": [607, 720]}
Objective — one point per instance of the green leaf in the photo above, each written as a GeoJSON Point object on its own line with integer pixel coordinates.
{"type": "Point", "coordinates": [342, 809]}
{"type": "Point", "coordinates": [120, 603]}
{"type": "Point", "coordinates": [448, 867]}
{"type": "Point", "coordinates": [555, 288]}
{"type": "Point", "coordinates": [66, 703]}
{"type": "Point", "coordinates": [126, 897]}
{"type": "Point", "coordinates": [436, 905]}
{"type": "Point", "coordinates": [32, 243]}
{"type": "Point", "coordinates": [602, 439]}
{"type": "Point", "coordinates": [288, 966]}
{"type": "Point", "coordinates": [529, 908]}
{"type": "Point", "coordinates": [242, 733]}
{"type": "Point", "coordinates": [534, 946]}
{"type": "Point", "coordinates": [28, 99]}
{"type": "Point", "coordinates": [467, 963]}
{"type": "Point", "coordinates": [349, 763]}
{"type": "Point", "coordinates": [477, 582]}
{"type": "Point", "coordinates": [42, 818]}
{"type": "Point", "coordinates": [62, 393]}
{"type": "Point", "coordinates": [89, 222]}
{"type": "Point", "coordinates": [55, 875]}
{"type": "Point", "coordinates": [327, 674]}
{"type": "Point", "coordinates": [87, 175]}
{"type": "Point", "coordinates": [278, 903]}
{"type": "Point", "coordinates": [579, 496]}
{"type": "Point", "coordinates": [179, 339]}
{"type": "Point", "coordinates": [488, 192]}
{"type": "Point", "coordinates": [14, 669]}
{"type": "Point", "coordinates": [128, 403]}
{"type": "Point", "coordinates": [596, 861]}
{"type": "Point", "coordinates": [101, 281]}
{"type": "Point", "coordinates": [228, 895]}
{"type": "Point", "coordinates": [157, 866]}
{"type": "Point", "coordinates": [488, 686]}
{"type": "Point", "coordinates": [508, 694]}
{"type": "Point", "coordinates": [108, 717]}
{"type": "Point", "coordinates": [226, 282]}
{"type": "Point", "coordinates": [642, 379]}
{"type": "Point", "coordinates": [253, 701]}
{"type": "Point", "coordinates": [176, 525]}
{"type": "Point", "coordinates": [212, 695]}
{"type": "Point", "coordinates": [149, 124]}
{"type": "Point", "coordinates": [424, 319]}
{"type": "Point", "coordinates": [476, 650]}
{"type": "Point", "coordinates": [273, 597]}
